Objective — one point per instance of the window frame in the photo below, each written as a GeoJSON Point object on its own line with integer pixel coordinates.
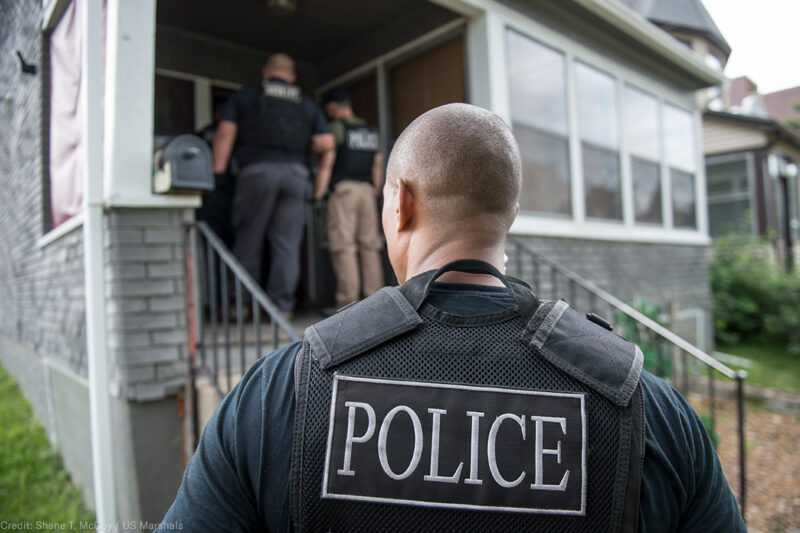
{"type": "Point", "coordinates": [749, 159]}
{"type": "Point", "coordinates": [579, 225]}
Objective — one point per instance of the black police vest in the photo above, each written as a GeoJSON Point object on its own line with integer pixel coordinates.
{"type": "Point", "coordinates": [355, 155]}
{"type": "Point", "coordinates": [411, 419]}
{"type": "Point", "coordinates": [279, 123]}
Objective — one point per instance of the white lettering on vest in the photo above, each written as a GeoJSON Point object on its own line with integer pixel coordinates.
{"type": "Point", "coordinates": [362, 140]}
{"type": "Point", "coordinates": [434, 474]}
{"type": "Point", "coordinates": [540, 451]}
{"type": "Point", "coordinates": [418, 438]}
{"type": "Point", "coordinates": [473, 448]}
{"type": "Point", "coordinates": [491, 446]}
{"type": "Point", "coordinates": [492, 454]}
{"type": "Point", "coordinates": [351, 428]}
{"type": "Point", "coordinates": [282, 92]}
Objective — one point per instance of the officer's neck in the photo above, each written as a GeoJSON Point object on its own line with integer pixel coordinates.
{"type": "Point", "coordinates": [424, 258]}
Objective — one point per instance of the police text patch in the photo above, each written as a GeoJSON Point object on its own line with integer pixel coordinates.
{"type": "Point", "coordinates": [362, 140]}
{"type": "Point", "coordinates": [282, 91]}
{"type": "Point", "coordinates": [456, 446]}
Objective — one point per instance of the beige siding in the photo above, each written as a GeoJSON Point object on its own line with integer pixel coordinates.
{"type": "Point", "coordinates": [789, 150]}
{"type": "Point", "coordinates": [721, 136]}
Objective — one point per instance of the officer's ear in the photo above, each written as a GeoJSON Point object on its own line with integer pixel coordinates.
{"type": "Point", "coordinates": [405, 204]}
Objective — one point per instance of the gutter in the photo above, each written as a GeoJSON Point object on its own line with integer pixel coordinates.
{"type": "Point", "coordinates": [618, 15]}
{"type": "Point", "coordinates": [105, 494]}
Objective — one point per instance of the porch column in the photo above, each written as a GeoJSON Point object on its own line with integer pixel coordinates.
{"type": "Point", "coordinates": [128, 132]}
{"type": "Point", "coordinates": [143, 274]}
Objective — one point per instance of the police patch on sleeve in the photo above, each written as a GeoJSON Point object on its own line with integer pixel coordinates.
{"type": "Point", "coordinates": [456, 446]}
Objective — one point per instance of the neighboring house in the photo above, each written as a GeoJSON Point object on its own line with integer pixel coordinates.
{"type": "Point", "coordinates": [742, 96]}
{"type": "Point", "coordinates": [602, 101]}
{"type": "Point", "coordinates": [751, 169]}
{"type": "Point", "coordinates": [751, 158]}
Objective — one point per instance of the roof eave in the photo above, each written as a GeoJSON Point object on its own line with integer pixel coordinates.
{"type": "Point", "coordinates": [639, 28]}
{"type": "Point", "coordinates": [766, 125]}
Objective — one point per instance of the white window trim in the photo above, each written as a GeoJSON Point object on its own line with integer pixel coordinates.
{"type": "Point", "coordinates": [749, 160]}
{"type": "Point", "coordinates": [63, 229]}
{"type": "Point", "coordinates": [627, 230]}
{"type": "Point", "coordinates": [528, 224]}
{"type": "Point", "coordinates": [52, 10]}
{"type": "Point", "coordinates": [203, 88]}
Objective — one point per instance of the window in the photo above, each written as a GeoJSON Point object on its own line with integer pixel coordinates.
{"type": "Point", "coordinates": [641, 131]}
{"type": "Point", "coordinates": [64, 150]}
{"type": "Point", "coordinates": [636, 155]}
{"type": "Point", "coordinates": [680, 149]}
{"type": "Point", "coordinates": [597, 122]}
{"type": "Point", "coordinates": [539, 112]}
{"type": "Point", "coordinates": [728, 194]}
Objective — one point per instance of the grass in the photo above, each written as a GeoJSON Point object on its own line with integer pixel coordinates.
{"type": "Point", "coordinates": [771, 366]}
{"type": "Point", "coordinates": [35, 489]}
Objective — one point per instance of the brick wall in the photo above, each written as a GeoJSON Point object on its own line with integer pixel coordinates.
{"type": "Point", "coordinates": [42, 287]}
{"type": "Point", "coordinates": [146, 309]}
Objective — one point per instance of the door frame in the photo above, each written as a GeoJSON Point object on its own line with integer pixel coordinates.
{"type": "Point", "coordinates": [380, 66]}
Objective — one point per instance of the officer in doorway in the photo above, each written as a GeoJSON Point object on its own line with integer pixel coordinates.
{"type": "Point", "coordinates": [353, 228]}
{"type": "Point", "coordinates": [274, 127]}
{"type": "Point", "coordinates": [457, 401]}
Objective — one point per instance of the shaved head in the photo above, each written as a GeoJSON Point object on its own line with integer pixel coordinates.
{"type": "Point", "coordinates": [464, 162]}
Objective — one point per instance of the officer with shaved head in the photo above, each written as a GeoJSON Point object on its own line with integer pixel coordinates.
{"type": "Point", "coordinates": [456, 401]}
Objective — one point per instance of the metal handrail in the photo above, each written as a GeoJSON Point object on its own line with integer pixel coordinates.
{"type": "Point", "coordinates": [638, 316]}
{"type": "Point", "coordinates": [246, 279]}
{"type": "Point", "coordinates": [219, 260]}
{"type": "Point", "coordinates": [596, 292]}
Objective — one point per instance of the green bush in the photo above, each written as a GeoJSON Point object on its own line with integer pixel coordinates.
{"type": "Point", "coordinates": [652, 347]}
{"type": "Point", "coordinates": [754, 299]}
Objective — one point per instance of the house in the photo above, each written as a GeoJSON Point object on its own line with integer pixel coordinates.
{"type": "Point", "coordinates": [751, 169]}
{"type": "Point", "coordinates": [751, 156]}
{"type": "Point", "coordinates": [742, 95]}
{"type": "Point", "coordinates": [602, 101]}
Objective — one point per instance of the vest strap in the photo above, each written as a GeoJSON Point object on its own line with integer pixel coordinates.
{"type": "Point", "coordinates": [590, 353]}
{"type": "Point", "coordinates": [417, 288]}
{"type": "Point", "coordinates": [360, 327]}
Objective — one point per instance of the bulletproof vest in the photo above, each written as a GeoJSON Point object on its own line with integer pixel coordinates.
{"type": "Point", "coordinates": [355, 155]}
{"type": "Point", "coordinates": [280, 121]}
{"type": "Point", "coordinates": [412, 419]}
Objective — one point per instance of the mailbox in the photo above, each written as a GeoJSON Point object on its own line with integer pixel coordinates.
{"type": "Point", "coordinates": [183, 166]}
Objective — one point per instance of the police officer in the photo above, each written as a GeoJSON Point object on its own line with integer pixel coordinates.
{"type": "Point", "coordinates": [353, 239]}
{"type": "Point", "coordinates": [274, 127]}
{"type": "Point", "coordinates": [457, 401]}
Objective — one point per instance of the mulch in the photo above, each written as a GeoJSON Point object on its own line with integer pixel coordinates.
{"type": "Point", "coordinates": [772, 465]}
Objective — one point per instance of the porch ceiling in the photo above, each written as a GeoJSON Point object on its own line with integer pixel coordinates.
{"type": "Point", "coordinates": [314, 31]}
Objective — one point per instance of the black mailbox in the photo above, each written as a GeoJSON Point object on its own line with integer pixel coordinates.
{"type": "Point", "coordinates": [183, 166]}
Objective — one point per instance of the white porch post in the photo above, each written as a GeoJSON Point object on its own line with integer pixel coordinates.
{"type": "Point", "coordinates": [130, 67]}
{"type": "Point", "coordinates": [96, 342]}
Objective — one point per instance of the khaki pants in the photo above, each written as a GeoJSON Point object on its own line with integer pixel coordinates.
{"type": "Point", "coordinates": [353, 240]}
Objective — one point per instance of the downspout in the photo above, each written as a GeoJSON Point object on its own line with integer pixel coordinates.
{"type": "Point", "coordinates": [94, 279]}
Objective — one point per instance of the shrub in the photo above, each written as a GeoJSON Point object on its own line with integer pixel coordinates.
{"type": "Point", "coordinates": [655, 361]}
{"type": "Point", "coordinates": [753, 299]}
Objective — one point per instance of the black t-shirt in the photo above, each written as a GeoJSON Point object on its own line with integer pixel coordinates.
{"type": "Point", "coordinates": [246, 100]}
{"type": "Point", "coordinates": [238, 479]}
